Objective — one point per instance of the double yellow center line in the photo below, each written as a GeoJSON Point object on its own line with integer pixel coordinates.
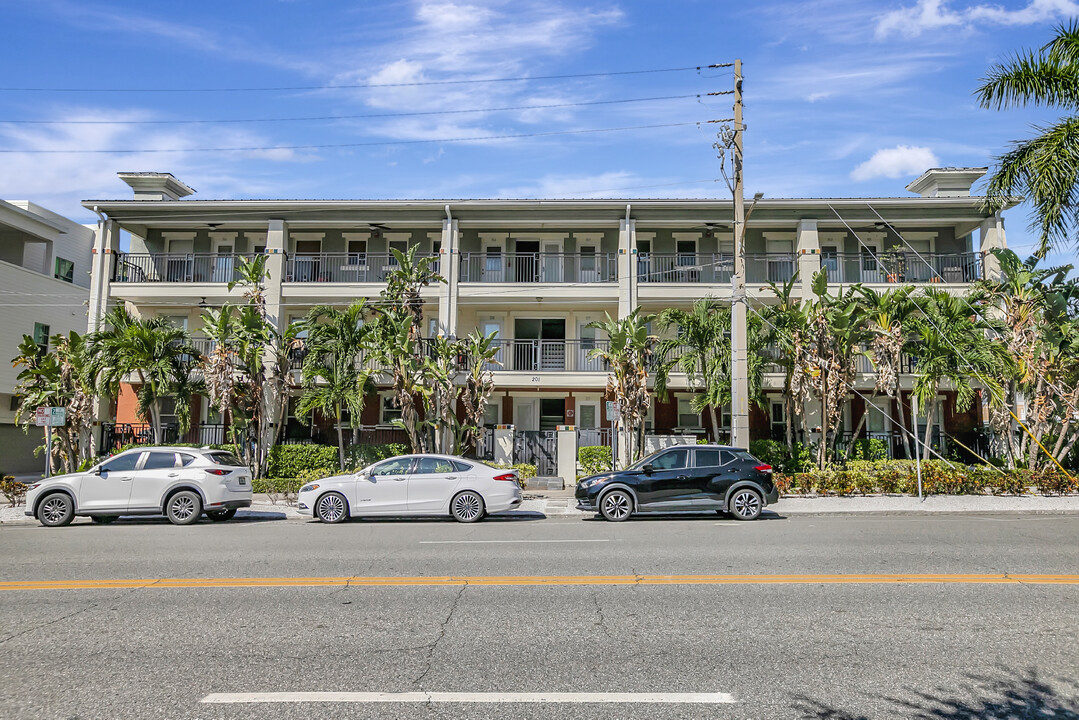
{"type": "Point", "coordinates": [435, 581]}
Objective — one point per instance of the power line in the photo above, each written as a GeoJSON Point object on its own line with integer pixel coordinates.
{"type": "Point", "coordinates": [424, 83]}
{"type": "Point", "coordinates": [349, 117]}
{"type": "Point", "coordinates": [352, 145]}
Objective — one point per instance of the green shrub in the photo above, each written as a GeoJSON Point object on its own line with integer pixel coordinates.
{"type": "Point", "coordinates": [771, 452]}
{"type": "Point", "coordinates": [594, 459]}
{"type": "Point", "coordinates": [13, 490]}
{"type": "Point", "coordinates": [525, 472]}
{"type": "Point", "coordinates": [869, 449]}
{"type": "Point", "coordinates": [360, 456]}
{"type": "Point", "coordinates": [289, 461]}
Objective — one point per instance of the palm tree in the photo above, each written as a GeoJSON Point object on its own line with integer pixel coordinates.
{"type": "Point", "coordinates": [404, 283]}
{"type": "Point", "coordinates": [159, 355]}
{"type": "Point", "coordinates": [334, 375]}
{"type": "Point", "coordinates": [397, 350]}
{"type": "Point", "coordinates": [703, 332]}
{"type": "Point", "coordinates": [887, 317]}
{"type": "Point", "coordinates": [1044, 168]}
{"type": "Point", "coordinates": [478, 353]}
{"type": "Point", "coordinates": [629, 354]}
{"type": "Point", "coordinates": [951, 347]}
{"type": "Point", "coordinates": [785, 331]}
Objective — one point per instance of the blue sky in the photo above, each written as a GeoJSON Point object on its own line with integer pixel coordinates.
{"type": "Point", "coordinates": [843, 98]}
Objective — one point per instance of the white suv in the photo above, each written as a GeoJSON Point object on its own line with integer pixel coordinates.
{"type": "Point", "coordinates": [179, 483]}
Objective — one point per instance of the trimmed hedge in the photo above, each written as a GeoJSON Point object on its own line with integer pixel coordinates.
{"type": "Point", "coordinates": [782, 458]}
{"type": "Point", "coordinates": [594, 459]}
{"type": "Point", "coordinates": [900, 477]}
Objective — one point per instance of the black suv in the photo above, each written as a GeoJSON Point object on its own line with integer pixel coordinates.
{"type": "Point", "coordinates": [683, 477]}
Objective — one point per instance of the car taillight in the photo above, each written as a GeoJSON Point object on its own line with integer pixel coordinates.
{"type": "Point", "coordinates": [763, 468]}
{"type": "Point", "coordinates": [219, 472]}
{"type": "Point", "coordinates": [508, 476]}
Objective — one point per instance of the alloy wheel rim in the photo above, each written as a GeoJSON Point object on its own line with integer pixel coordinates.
{"type": "Point", "coordinates": [745, 504]}
{"type": "Point", "coordinates": [183, 508]}
{"type": "Point", "coordinates": [616, 505]}
{"type": "Point", "coordinates": [330, 508]}
{"type": "Point", "coordinates": [54, 510]}
{"type": "Point", "coordinates": [467, 506]}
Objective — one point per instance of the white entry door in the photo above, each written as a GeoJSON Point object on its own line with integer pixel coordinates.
{"type": "Point", "coordinates": [552, 262]}
{"type": "Point", "coordinates": [526, 414]}
{"type": "Point", "coordinates": [223, 262]}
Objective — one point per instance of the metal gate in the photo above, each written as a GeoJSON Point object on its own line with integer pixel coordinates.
{"type": "Point", "coordinates": [537, 447]}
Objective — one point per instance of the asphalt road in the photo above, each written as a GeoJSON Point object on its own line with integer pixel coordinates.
{"type": "Point", "coordinates": [818, 648]}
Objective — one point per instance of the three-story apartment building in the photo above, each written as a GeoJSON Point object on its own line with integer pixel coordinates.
{"type": "Point", "coordinates": [537, 273]}
{"type": "Point", "coordinates": [44, 281]}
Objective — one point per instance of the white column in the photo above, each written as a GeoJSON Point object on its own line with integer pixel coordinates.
{"type": "Point", "coordinates": [992, 236]}
{"type": "Point", "coordinates": [504, 444]}
{"type": "Point", "coordinates": [567, 454]}
{"type": "Point", "coordinates": [627, 266]}
{"type": "Point", "coordinates": [106, 245]}
{"type": "Point", "coordinates": [807, 250]}
{"type": "Point", "coordinates": [450, 268]}
{"type": "Point", "coordinates": [276, 247]}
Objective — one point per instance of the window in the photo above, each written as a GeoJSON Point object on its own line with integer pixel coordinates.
{"type": "Point", "coordinates": [65, 270]}
{"type": "Point", "coordinates": [185, 459]}
{"type": "Point", "coordinates": [491, 415]}
{"type": "Point", "coordinates": [14, 403]}
{"type": "Point", "coordinates": [687, 253]}
{"type": "Point", "coordinates": [122, 463]}
{"type": "Point", "coordinates": [221, 457]}
{"type": "Point", "coordinates": [644, 247]}
{"type": "Point", "coordinates": [390, 411]}
{"type": "Point", "coordinates": [493, 259]}
{"type": "Point", "coordinates": [357, 252]}
{"type": "Point", "coordinates": [727, 456]}
{"type": "Point", "coordinates": [433, 466]}
{"type": "Point", "coordinates": [396, 466]}
{"type": "Point", "coordinates": [706, 458]}
{"type": "Point", "coordinates": [686, 416]}
{"type": "Point", "coordinates": [461, 467]}
{"type": "Point", "coordinates": [160, 461]}
{"type": "Point", "coordinates": [41, 337]}
{"type": "Point", "coordinates": [673, 460]}
{"type": "Point", "coordinates": [399, 245]}
{"type": "Point", "coordinates": [168, 411]}
{"type": "Point", "coordinates": [586, 417]}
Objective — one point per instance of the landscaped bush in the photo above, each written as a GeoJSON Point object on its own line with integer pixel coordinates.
{"type": "Point", "coordinates": [360, 456]}
{"type": "Point", "coordinates": [869, 449]}
{"type": "Point", "coordinates": [594, 459]}
{"type": "Point", "coordinates": [780, 457]}
{"type": "Point", "coordinates": [525, 472]}
{"type": "Point", "coordinates": [290, 461]}
{"type": "Point", "coordinates": [938, 478]}
{"type": "Point", "coordinates": [13, 490]}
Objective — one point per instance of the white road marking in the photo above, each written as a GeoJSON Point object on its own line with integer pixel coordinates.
{"type": "Point", "coordinates": [464, 697]}
{"type": "Point", "coordinates": [485, 542]}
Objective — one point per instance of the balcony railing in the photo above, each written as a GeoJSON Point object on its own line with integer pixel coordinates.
{"type": "Point", "coordinates": [345, 267]}
{"type": "Point", "coordinates": [538, 267]}
{"type": "Point", "coordinates": [902, 267]}
{"type": "Point", "coordinates": [177, 267]}
{"type": "Point", "coordinates": [116, 435]}
{"type": "Point", "coordinates": [712, 267]}
{"type": "Point", "coordinates": [548, 356]}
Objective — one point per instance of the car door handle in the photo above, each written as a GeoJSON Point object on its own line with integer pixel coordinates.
{"type": "Point", "coordinates": [400, 479]}
{"type": "Point", "coordinates": [124, 478]}
{"type": "Point", "coordinates": [683, 477]}
{"type": "Point", "coordinates": [174, 474]}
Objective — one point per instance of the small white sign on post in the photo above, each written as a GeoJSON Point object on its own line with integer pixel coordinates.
{"type": "Point", "coordinates": [53, 416]}
{"type": "Point", "coordinates": [614, 411]}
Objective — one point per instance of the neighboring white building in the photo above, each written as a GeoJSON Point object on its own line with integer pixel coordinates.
{"type": "Point", "coordinates": [537, 272]}
{"type": "Point", "coordinates": [44, 285]}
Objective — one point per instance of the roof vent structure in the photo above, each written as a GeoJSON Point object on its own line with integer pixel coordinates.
{"type": "Point", "coordinates": [946, 182]}
{"type": "Point", "coordinates": [155, 186]}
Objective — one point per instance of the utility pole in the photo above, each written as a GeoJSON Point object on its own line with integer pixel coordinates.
{"type": "Point", "coordinates": [739, 331]}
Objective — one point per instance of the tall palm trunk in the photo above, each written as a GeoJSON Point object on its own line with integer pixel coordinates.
{"type": "Point", "coordinates": [903, 425]}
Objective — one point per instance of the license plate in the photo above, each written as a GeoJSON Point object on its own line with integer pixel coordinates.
{"type": "Point", "coordinates": [243, 481]}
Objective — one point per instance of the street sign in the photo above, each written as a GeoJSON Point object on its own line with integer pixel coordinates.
{"type": "Point", "coordinates": [53, 416]}
{"type": "Point", "coordinates": [614, 410]}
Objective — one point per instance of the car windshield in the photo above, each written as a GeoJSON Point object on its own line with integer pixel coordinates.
{"type": "Point", "coordinates": [222, 457]}
{"type": "Point", "coordinates": [645, 460]}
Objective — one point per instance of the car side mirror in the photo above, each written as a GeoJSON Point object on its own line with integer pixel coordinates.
{"type": "Point", "coordinates": [97, 470]}
{"type": "Point", "coordinates": [648, 469]}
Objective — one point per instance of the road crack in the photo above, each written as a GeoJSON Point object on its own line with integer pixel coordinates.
{"type": "Point", "coordinates": [433, 647]}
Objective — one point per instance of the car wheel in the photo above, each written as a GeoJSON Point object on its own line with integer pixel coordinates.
{"type": "Point", "coordinates": [332, 508]}
{"type": "Point", "coordinates": [184, 508]}
{"type": "Point", "coordinates": [103, 519]}
{"type": "Point", "coordinates": [746, 504]}
{"type": "Point", "coordinates": [616, 506]}
{"type": "Point", "coordinates": [56, 510]}
{"type": "Point", "coordinates": [467, 507]}
{"type": "Point", "coordinates": [221, 515]}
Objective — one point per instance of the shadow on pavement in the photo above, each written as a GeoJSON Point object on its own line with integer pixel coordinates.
{"type": "Point", "coordinates": [1008, 696]}
{"type": "Point", "coordinates": [504, 517]}
{"type": "Point", "coordinates": [689, 516]}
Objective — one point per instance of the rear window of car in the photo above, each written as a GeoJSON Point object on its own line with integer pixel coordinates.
{"type": "Point", "coordinates": [186, 459]}
{"type": "Point", "coordinates": [461, 467]}
{"type": "Point", "coordinates": [222, 457]}
{"type": "Point", "coordinates": [729, 455]}
{"type": "Point", "coordinates": [706, 458]}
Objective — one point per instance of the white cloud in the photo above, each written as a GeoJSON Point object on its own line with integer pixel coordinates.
{"type": "Point", "coordinates": [62, 176]}
{"type": "Point", "coordinates": [896, 162]}
{"type": "Point", "coordinates": [929, 15]}
{"type": "Point", "coordinates": [621, 183]}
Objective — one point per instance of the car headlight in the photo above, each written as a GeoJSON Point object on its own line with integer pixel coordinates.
{"type": "Point", "coordinates": [309, 487]}
{"type": "Point", "coordinates": [593, 481]}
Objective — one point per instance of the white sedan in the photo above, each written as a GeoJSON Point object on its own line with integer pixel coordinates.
{"type": "Point", "coordinates": [413, 485]}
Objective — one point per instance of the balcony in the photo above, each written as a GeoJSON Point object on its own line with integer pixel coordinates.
{"type": "Point", "coordinates": [345, 267]}
{"type": "Point", "coordinates": [538, 268]}
{"type": "Point", "coordinates": [713, 268]}
{"type": "Point", "coordinates": [548, 356]}
{"type": "Point", "coordinates": [177, 267]}
{"type": "Point", "coordinates": [902, 267]}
